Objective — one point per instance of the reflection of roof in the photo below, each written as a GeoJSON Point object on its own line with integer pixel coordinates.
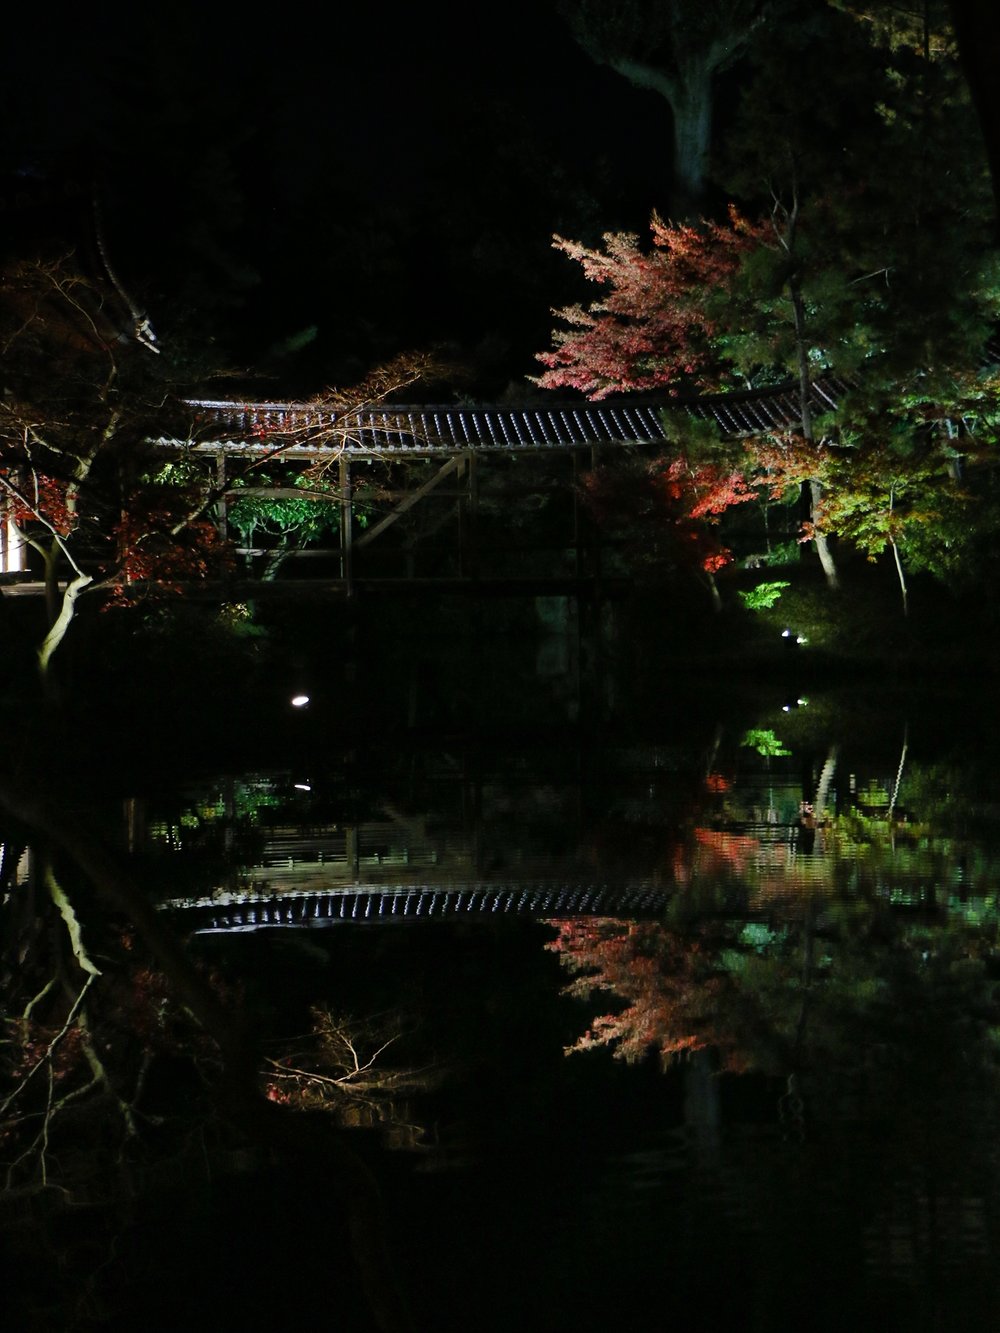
{"type": "Point", "coordinates": [447, 429]}
{"type": "Point", "coordinates": [419, 902]}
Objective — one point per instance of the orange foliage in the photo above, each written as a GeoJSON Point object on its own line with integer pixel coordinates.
{"type": "Point", "coordinates": [652, 329]}
{"type": "Point", "coordinates": [666, 980]}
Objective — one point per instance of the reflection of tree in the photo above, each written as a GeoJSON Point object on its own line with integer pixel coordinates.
{"type": "Point", "coordinates": [875, 1032]}
{"type": "Point", "coordinates": [909, 830]}
{"type": "Point", "coordinates": [667, 980]}
{"type": "Point", "coordinates": [126, 1063]}
{"type": "Point", "coordinates": [79, 1054]}
{"type": "Point", "coordinates": [338, 1067]}
{"type": "Point", "coordinates": [821, 992]}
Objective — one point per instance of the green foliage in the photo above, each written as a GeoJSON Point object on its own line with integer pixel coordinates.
{"type": "Point", "coordinates": [295, 342]}
{"type": "Point", "coordinates": [874, 795]}
{"type": "Point", "coordinates": [764, 741]}
{"type": "Point", "coordinates": [697, 437]}
{"type": "Point", "coordinates": [284, 517]}
{"type": "Point", "coordinates": [783, 553]}
{"type": "Point", "coordinates": [176, 472]}
{"type": "Point", "coordinates": [759, 937]}
{"type": "Point", "coordinates": [764, 595]}
{"type": "Point", "coordinates": [238, 619]}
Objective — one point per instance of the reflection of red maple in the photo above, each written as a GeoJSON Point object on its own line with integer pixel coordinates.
{"type": "Point", "coordinates": [714, 853]}
{"type": "Point", "coordinates": [667, 980]}
{"type": "Point", "coordinates": [716, 850]}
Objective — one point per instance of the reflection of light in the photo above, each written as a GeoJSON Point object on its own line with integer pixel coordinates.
{"type": "Point", "coordinates": [802, 702]}
{"type": "Point", "coordinates": [300, 700]}
{"type": "Point", "coordinates": [302, 786]}
{"type": "Point", "coordinates": [801, 638]}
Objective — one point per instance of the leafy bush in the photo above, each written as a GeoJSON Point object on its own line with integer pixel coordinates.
{"type": "Point", "coordinates": [764, 596]}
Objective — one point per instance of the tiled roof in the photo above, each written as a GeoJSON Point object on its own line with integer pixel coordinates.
{"type": "Point", "coordinates": [447, 429]}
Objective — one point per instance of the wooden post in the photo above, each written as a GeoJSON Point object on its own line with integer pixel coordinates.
{"type": "Point", "coordinates": [575, 483]}
{"type": "Point", "coordinates": [352, 852]}
{"type": "Point", "coordinates": [346, 524]}
{"type": "Point", "coordinates": [460, 508]}
{"type": "Point", "coordinates": [473, 515]}
{"type": "Point", "coordinates": [468, 499]}
{"type": "Point", "coordinates": [595, 534]}
{"type": "Point", "coordinates": [222, 505]}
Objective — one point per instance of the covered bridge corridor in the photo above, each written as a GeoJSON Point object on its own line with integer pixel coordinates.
{"type": "Point", "coordinates": [435, 495]}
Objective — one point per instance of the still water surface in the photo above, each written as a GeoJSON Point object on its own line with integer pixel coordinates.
{"type": "Point", "coordinates": [704, 1024]}
{"type": "Point", "coordinates": [695, 1020]}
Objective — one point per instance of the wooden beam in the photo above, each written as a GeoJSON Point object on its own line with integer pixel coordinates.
{"type": "Point", "coordinates": [408, 501]}
{"type": "Point", "coordinates": [283, 493]}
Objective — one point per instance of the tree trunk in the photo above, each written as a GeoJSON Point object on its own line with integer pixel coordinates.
{"type": "Point", "coordinates": [826, 559]}
{"type": "Point", "coordinates": [50, 555]}
{"type": "Point", "coordinates": [57, 631]}
{"type": "Point", "coordinates": [692, 108]}
{"type": "Point", "coordinates": [713, 590]}
{"type": "Point", "coordinates": [901, 575]}
{"type": "Point", "coordinates": [826, 777]}
{"type": "Point", "coordinates": [273, 561]}
{"type": "Point", "coordinates": [805, 412]}
{"type": "Point", "coordinates": [689, 95]}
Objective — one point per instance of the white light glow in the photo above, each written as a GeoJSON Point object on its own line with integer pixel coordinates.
{"type": "Point", "coordinates": [300, 700]}
{"type": "Point", "coordinates": [11, 547]}
{"type": "Point", "coordinates": [302, 786]}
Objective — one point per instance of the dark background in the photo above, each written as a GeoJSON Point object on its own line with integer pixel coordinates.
{"type": "Point", "coordinates": [311, 192]}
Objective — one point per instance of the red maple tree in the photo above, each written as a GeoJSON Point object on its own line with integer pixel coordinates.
{"type": "Point", "coordinates": [654, 328]}
{"type": "Point", "coordinates": [666, 511]}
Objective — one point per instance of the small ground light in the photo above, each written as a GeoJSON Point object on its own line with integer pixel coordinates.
{"type": "Point", "coordinates": [302, 786]}
{"type": "Point", "coordinates": [801, 638]}
{"type": "Point", "coordinates": [300, 700]}
{"type": "Point", "coordinates": [786, 633]}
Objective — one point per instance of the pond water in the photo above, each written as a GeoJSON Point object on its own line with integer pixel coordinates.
{"type": "Point", "coordinates": [694, 1016]}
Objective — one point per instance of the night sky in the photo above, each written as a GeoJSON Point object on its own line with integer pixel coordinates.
{"type": "Point", "coordinates": [389, 180]}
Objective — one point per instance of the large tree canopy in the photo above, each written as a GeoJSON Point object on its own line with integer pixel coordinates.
{"type": "Point", "coordinates": [675, 50]}
{"type": "Point", "coordinates": [867, 257]}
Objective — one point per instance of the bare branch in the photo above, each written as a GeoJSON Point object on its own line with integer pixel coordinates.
{"type": "Point", "coordinates": [50, 1050]}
